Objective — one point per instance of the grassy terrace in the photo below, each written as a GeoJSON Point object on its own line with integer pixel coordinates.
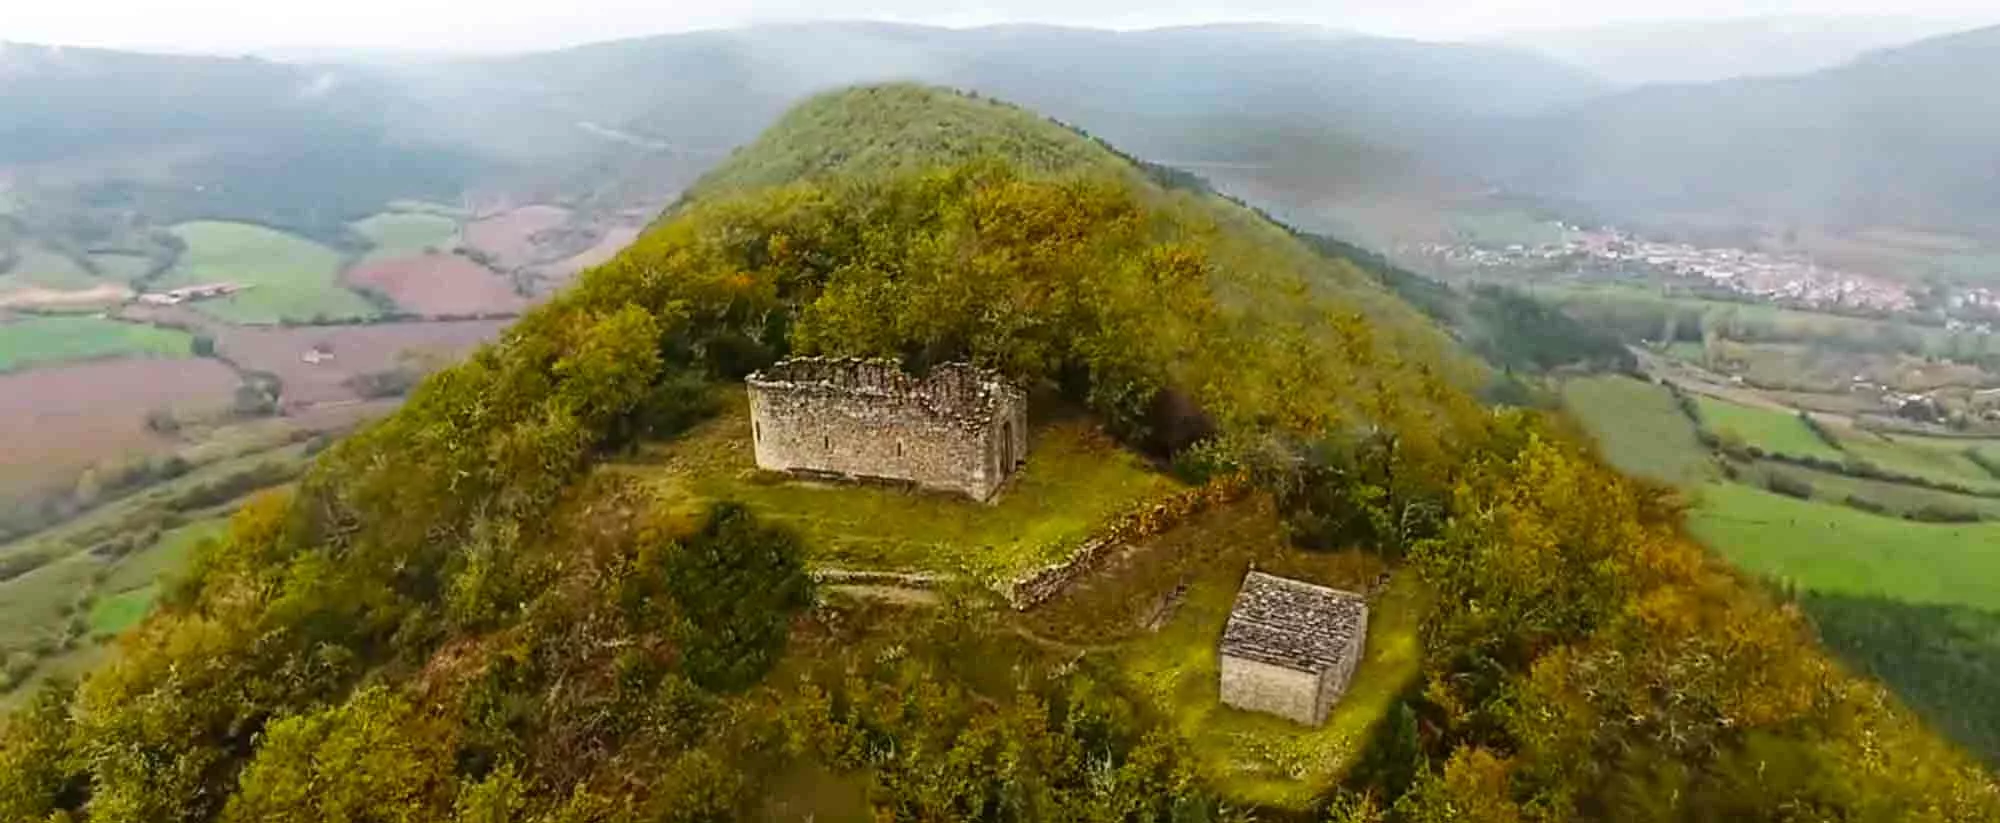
{"type": "Point", "coordinates": [1774, 431]}
{"type": "Point", "coordinates": [1075, 481]}
{"type": "Point", "coordinates": [1156, 614]}
{"type": "Point", "coordinates": [1934, 459]}
{"type": "Point", "coordinates": [1899, 498]}
{"type": "Point", "coordinates": [1831, 548]}
{"type": "Point", "coordinates": [1639, 427]}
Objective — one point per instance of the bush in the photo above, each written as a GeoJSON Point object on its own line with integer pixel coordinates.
{"type": "Point", "coordinates": [1856, 501]}
{"type": "Point", "coordinates": [1788, 484]}
{"type": "Point", "coordinates": [1943, 513]}
{"type": "Point", "coordinates": [735, 585]}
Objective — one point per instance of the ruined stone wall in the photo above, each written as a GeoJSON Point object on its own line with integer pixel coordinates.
{"type": "Point", "coordinates": [958, 429]}
{"type": "Point", "coordinates": [1262, 687]}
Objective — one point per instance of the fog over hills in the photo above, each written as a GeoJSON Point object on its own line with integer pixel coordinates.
{"type": "Point", "coordinates": [1900, 136]}
{"type": "Point", "coordinates": [1704, 51]}
{"type": "Point", "coordinates": [1321, 107]}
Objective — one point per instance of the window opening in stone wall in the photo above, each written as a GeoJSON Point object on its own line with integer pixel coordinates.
{"type": "Point", "coordinates": [756, 432]}
{"type": "Point", "coordinates": [828, 442]}
{"type": "Point", "coordinates": [899, 448]}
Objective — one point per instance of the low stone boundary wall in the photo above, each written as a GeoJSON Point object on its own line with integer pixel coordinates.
{"type": "Point", "coordinates": [1036, 587]}
{"type": "Point", "coordinates": [862, 577]}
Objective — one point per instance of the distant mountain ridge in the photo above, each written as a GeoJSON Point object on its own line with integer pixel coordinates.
{"type": "Point", "coordinates": [1706, 51]}
{"type": "Point", "coordinates": [1902, 136]}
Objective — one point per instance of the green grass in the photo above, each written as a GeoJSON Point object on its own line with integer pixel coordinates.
{"type": "Point", "coordinates": [114, 614]}
{"type": "Point", "coordinates": [47, 269]}
{"type": "Point", "coordinates": [1901, 498]}
{"type": "Point", "coordinates": [1776, 432]}
{"type": "Point", "coordinates": [123, 268]}
{"type": "Point", "coordinates": [864, 132]}
{"type": "Point", "coordinates": [166, 557]}
{"type": "Point", "coordinates": [1831, 548]}
{"type": "Point", "coordinates": [290, 278]}
{"type": "Point", "coordinates": [1639, 427]}
{"type": "Point", "coordinates": [405, 233]}
{"type": "Point", "coordinates": [33, 341]}
{"type": "Point", "coordinates": [1939, 460]}
{"type": "Point", "coordinates": [1075, 481]}
{"type": "Point", "coordinates": [1165, 649]}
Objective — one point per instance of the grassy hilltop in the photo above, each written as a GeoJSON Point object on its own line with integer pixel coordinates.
{"type": "Point", "coordinates": [546, 589]}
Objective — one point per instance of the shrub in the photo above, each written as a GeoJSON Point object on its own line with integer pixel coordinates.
{"type": "Point", "coordinates": [1856, 501]}
{"type": "Point", "coordinates": [1943, 513]}
{"type": "Point", "coordinates": [1789, 484]}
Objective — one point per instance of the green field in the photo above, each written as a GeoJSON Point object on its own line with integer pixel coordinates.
{"type": "Point", "coordinates": [405, 233]}
{"type": "Point", "coordinates": [1505, 228]}
{"type": "Point", "coordinates": [1075, 481]}
{"type": "Point", "coordinates": [167, 555]}
{"type": "Point", "coordinates": [46, 269]}
{"type": "Point", "coordinates": [33, 341]}
{"type": "Point", "coordinates": [289, 277]}
{"type": "Point", "coordinates": [1835, 549]}
{"type": "Point", "coordinates": [1776, 432]}
{"type": "Point", "coordinates": [114, 614]}
{"type": "Point", "coordinates": [122, 268]}
{"type": "Point", "coordinates": [1900, 498]}
{"type": "Point", "coordinates": [1938, 460]}
{"type": "Point", "coordinates": [1639, 427]}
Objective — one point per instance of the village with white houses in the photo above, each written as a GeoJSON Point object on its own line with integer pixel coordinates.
{"type": "Point", "coordinates": [1788, 280]}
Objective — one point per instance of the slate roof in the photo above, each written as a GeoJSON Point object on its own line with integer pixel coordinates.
{"type": "Point", "coordinates": [1296, 625]}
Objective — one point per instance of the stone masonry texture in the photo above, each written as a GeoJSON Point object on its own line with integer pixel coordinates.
{"type": "Point", "coordinates": [1291, 647]}
{"type": "Point", "coordinates": [959, 428]}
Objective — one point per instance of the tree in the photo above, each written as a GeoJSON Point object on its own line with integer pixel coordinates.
{"type": "Point", "coordinates": [735, 585]}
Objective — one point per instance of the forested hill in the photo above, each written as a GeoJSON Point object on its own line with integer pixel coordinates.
{"type": "Point", "coordinates": [492, 607]}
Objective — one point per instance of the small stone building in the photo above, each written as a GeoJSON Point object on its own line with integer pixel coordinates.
{"type": "Point", "coordinates": [1291, 647]}
{"type": "Point", "coordinates": [960, 428]}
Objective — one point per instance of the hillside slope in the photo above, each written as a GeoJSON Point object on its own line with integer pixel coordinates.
{"type": "Point", "coordinates": [472, 611]}
{"type": "Point", "coordinates": [1898, 137]}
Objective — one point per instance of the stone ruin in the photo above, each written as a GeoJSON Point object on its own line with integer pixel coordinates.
{"type": "Point", "coordinates": [1291, 647]}
{"type": "Point", "coordinates": [960, 428]}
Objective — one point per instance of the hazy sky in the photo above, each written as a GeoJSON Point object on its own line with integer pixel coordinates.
{"type": "Point", "coordinates": [454, 25]}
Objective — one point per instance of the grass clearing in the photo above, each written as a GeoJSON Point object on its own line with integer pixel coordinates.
{"type": "Point", "coordinates": [166, 557]}
{"type": "Point", "coordinates": [112, 615]}
{"type": "Point", "coordinates": [288, 277]}
{"type": "Point", "coordinates": [1640, 428]}
{"type": "Point", "coordinates": [402, 233]}
{"type": "Point", "coordinates": [1076, 480]}
{"type": "Point", "coordinates": [1830, 548]}
{"type": "Point", "coordinates": [1773, 431]}
{"type": "Point", "coordinates": [1156, 613]}
{"type": "Point", "coordinates": [45, 340]}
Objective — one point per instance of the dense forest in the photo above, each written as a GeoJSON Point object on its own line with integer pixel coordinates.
{"type": "Point", "coordinates": [458, 614]}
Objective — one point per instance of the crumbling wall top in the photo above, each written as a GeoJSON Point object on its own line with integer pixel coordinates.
{"type": "Point", "coordinates": [959, 392]}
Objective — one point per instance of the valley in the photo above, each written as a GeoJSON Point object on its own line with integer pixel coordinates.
{"type": "Point", "coordinates": [334, 394]}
